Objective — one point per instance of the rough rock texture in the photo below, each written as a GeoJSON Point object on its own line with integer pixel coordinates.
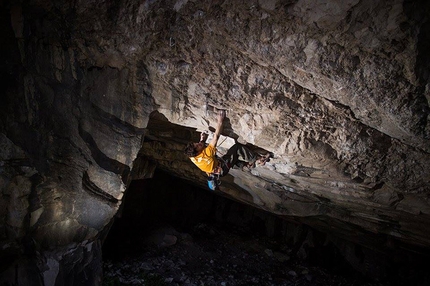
{"type": "Point", "coordinates": [337, 90]}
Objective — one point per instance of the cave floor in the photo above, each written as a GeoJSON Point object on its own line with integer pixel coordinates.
{"type": "Point", "coordinates": [213, 256]}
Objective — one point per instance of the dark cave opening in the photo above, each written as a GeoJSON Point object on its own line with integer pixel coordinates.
{"type": "Point", "coordinates": [167, 201]}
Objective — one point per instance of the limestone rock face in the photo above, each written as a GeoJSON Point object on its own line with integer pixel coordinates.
{"type": "Point", "coordinates": [96, 93]}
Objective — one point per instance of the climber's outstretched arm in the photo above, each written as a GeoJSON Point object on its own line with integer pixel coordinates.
{"type": "Point", "coordinates": [221, 116]}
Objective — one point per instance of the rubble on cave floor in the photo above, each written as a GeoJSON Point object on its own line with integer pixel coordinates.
{"type": "Point", "coordinates": [210, 256]}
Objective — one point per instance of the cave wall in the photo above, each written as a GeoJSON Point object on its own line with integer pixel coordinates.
{"type": "Point", "coordinates": [337, 90]}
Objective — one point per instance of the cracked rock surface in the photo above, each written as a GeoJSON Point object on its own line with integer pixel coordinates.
{"type": "Point", "coordinates": [98, 93]}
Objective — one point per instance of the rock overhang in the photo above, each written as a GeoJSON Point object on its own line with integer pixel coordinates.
{"type": "Point", "coordinates": [342, 103]}
{"type": "Point", "coordinates": [313, 195]}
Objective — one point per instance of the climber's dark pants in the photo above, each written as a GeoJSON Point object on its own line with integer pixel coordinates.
{"type": "Point", "coordinates": [238, 154]}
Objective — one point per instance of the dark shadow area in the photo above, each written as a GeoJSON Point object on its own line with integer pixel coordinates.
{"type": "Point", "coordinates": [201, 227]}
{"type": "Point", "coordinates": [228, 129]}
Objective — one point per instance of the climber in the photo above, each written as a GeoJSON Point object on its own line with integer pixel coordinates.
{"type": "Point", "coordinates": [205, 158]}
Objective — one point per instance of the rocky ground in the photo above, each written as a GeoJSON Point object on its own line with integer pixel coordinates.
{"type": "Point", "coordinates": [213, 256]}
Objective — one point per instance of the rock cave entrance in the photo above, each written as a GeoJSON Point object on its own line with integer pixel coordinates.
{"type": "Point", "coordinates": [167, 210]}
{"type": "Point", "coordinates": [174, 230]}
{"type": "Point", "coordinates": [178, 232]}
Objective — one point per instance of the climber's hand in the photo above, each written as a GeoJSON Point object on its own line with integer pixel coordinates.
{"type": "Point", "coordinates": [221, 115]}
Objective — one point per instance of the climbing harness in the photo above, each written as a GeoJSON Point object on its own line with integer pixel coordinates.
{"type": "Point", "coordinates": [214, 179]}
